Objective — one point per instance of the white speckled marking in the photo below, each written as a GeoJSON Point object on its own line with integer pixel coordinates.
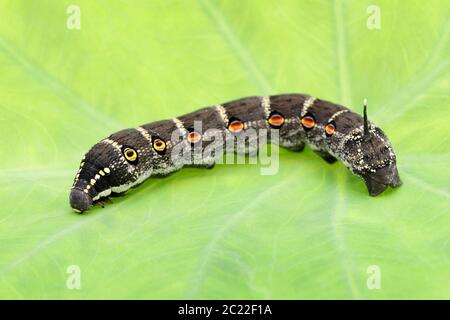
{"type": "Point", "coordinates": [265, 104]}
{"type": "Point", "coordinates": [335, 115]}
{"type": "Point", "coordinates": [223, 114]}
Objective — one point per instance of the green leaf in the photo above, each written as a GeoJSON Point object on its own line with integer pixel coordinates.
{"type": "Point", "coordinates": [310, 231]}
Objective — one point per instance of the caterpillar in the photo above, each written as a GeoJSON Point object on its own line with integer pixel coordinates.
{"type": "Point", "coordinates": [128, 157]}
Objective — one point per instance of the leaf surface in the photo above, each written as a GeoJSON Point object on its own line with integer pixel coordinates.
{"type": "Point", "coordinates": [310, 231]}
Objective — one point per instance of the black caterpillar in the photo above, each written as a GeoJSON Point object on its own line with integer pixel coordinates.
{"type": "Point", "coordinates": [128, 157]}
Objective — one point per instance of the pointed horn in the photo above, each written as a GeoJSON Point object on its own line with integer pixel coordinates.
{"type": "Point", "coordinates": [366, 123]}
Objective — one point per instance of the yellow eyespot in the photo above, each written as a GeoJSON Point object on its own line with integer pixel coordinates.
{"type": "Point", "coordinates": [130, 154]}
{"type": "Point", "coordinates": [159, 145]}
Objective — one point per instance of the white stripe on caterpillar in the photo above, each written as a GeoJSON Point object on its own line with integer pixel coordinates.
{"type": "Point", "coordinates": [223, 114]}
{"type": "Point", "coordinates": [145, 134]}
{"type": "Point", "coordinates": [307, 104]}
{"type": "Point", "coordinates": [265, 104]}
{"type": "Point", "coordinates": [335, 115]}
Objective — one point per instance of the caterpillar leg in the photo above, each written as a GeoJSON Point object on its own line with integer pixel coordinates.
{"type": "Point", "coordinates": [201, 165]}
{"type": "Point", "coordinates": [295, 148]}
{"type": "Point", "coordinates": [325, 156]}
{"type": "Point", "coordinates": [197, 162]}
{"type": "Point", "coordinates": [117, 194]}
{"type": "Point", "coordinates": [294, 145]}
{"type": "Point", "coordinates": [103, 202]}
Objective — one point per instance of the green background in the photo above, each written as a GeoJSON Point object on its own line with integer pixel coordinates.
{"type": "Point", "coordinates": [310, 231]}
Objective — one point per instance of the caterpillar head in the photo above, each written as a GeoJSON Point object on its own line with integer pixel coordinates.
{"type": "Point", "coordinates": [369, 154]}
{"type": "Point", "coordinates": [114, 165]}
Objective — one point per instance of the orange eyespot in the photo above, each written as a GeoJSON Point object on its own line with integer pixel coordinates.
{"type": "Point", "coordinates": [276, 120]}
{"type": "Point", "coordinates": [236, 126]}
{"type": "Point", "coordinates": [329, 129]}
{"type": "Point", "coordinates": [194, 137]}
{"type": "Point", "coordinates": [308, 122]}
